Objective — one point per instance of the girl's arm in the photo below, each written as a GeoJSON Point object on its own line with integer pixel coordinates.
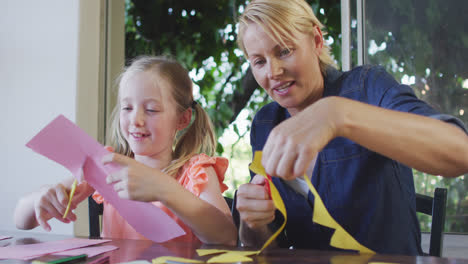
{"type": "Point", "coordinates": [50, 201]}
{"type": "Point", "coordinates": [208, 215]}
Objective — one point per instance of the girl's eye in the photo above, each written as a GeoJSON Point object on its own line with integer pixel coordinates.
{"type": "Point", "coordinates": [151, 110]}
{"type": "Point", "coordinates": [284, 52]}
{"type": "Point", "coordinates": [126, 108]}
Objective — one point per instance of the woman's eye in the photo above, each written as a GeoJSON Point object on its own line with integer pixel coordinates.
{"type": "Point", "coordinates": [259, 62]}
{"type": "Point", "coordinates": [126, 108]}
{"type": "Point", "coordinates": [151, 110]}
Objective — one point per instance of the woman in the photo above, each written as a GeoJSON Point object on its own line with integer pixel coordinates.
{"type": "Point", "coordinates": [356, 134]}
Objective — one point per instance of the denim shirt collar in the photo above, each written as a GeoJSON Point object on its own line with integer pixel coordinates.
{"type": "Point", "coordinates": [330, 84]}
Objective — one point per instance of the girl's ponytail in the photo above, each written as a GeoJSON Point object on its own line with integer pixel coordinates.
{"type": "Point", "coordinates": [199, 137]}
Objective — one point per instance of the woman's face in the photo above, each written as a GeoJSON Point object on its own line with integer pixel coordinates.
{"type": "Point", "coordinates": [290, 75]}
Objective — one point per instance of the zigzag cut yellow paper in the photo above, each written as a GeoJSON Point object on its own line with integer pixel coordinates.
{"type": "Point", "coordinates": [340, 239]}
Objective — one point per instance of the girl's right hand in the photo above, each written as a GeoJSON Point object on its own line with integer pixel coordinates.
{"type": "Point", "coordinates": [255, 207]}
{"type": "Point", "coordinates": [52, 200]}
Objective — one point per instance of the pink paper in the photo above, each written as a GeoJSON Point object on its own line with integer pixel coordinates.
{"type": "Point", "coordinates": [90, 251]}
{"type": "Point", "coordinates": [4, 237]}
{"type": "Point", "coordinates": [30, 251]}
{"type": "Point", "coordinates": [65, 143]}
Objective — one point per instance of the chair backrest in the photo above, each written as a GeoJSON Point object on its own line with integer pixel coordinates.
{"type": "Point", "coordinates": [435, 207]}
{"type": "Point", "coordinates": [95, 211]}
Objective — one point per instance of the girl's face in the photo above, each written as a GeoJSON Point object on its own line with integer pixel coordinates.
{"type": "Point", "coordinates": [290, 75]}
{"type": "Point", "coordinates": [148, 116]}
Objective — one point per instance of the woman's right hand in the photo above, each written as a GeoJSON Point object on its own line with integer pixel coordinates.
{"type": "Point", "coordinates": [256, 209]}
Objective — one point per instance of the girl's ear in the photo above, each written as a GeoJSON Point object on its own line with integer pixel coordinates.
{"type": "Point", "coordinates": [184, 119]}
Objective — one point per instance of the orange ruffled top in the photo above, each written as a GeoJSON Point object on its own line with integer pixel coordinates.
{"type": "Point", "coordinates": [192, 176]}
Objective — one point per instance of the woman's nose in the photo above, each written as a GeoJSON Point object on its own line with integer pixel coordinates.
{"type": "Point", "coordinates": [275, 70]}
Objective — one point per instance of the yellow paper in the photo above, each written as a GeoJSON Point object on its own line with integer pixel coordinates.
{"type": "Point", "coordinates": [340, 238]}
{"type": "Point", "coordinates": [204, 252]}
{"type": "Point", "coordinates": [257, 168]}
{"type": "Point", "coordinates": [162, 260]}
{"type": "Point", "coordinates": [230, 257]}
{"type": "Point", "coordinates": [72, 192]}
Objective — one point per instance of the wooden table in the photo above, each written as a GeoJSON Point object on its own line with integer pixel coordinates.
{"type": "Point", "coordinates": [146, 250]}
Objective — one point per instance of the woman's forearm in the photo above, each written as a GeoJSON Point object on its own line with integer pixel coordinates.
{"type": "Point", "coordinates": [423, 143]}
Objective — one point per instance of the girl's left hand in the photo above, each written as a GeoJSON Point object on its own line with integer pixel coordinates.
{"type": "Point", "coordinates": [136, 181]}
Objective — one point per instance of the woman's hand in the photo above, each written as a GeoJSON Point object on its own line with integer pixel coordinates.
{"type": "Point", "coordinates": [255, 207]}
{"type": "Point", "coordinates": [294, 143]}
{"type": "Point", "coordinates": [136, 181]}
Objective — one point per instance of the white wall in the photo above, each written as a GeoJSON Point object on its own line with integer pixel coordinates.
{"type": "Point", "coordinates": [38, 79]}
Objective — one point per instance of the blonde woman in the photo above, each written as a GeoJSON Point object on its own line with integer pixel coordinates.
{"type": "Point", "coordinates": [355, 134]}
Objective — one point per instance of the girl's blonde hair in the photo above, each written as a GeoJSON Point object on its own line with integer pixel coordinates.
{"type": "Point", "coordinates": [282, 20]}
{"type": "Point", "coordinates": [198, 137]}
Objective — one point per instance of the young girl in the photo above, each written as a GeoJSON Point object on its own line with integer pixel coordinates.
{"type": "Point", "coordinates": [159, 149]}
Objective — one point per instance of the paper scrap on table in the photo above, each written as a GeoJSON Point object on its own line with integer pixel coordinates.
{"type": "Point", "coordinates": [341, 238]}
{"type": "Point", "coordinates": [30, 251]}
{"type": "Point", "coordinates": [4, 237]}
{"type": "Point", "coordinates": [162, 260]}
{"type": "Point", "coordinates": [90, 251]}
{"type": "Point", "coordinates": [228, 256]}
{"type": "Point", "coordinates": [64, 142]}
{"type": "Point", "coordinates": [136, 262]}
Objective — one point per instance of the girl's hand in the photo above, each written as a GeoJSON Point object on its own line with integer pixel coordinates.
{"type": "Point", "coordinates": [255, 207]}
{"type": "Point", "coordinates": [51, 202]}
{"type": "Point", "coordinates": [136, 181]}
{"type": "Point", "coordinates": [294, 143]}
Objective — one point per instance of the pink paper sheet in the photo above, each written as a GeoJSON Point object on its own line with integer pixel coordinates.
{"type": "Point", "coordinates": [64, 142]}
{"type": "Point", "coordinates": [30, 251]}
{"type": "Point", "coordinates": [4, 237]}
{"type": "Point", "coordinates": [90, 251]}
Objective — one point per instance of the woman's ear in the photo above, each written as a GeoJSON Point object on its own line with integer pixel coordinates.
{"type": "Point", "coordinates": [184, 119]}
{"type": "Point", "coordinates": [318, 40]}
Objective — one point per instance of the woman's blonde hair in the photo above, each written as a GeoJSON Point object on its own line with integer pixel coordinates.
{"type": "Point", "coordinates": [282, 20]}
{"type": "Point", "coordinates": [198, 137]}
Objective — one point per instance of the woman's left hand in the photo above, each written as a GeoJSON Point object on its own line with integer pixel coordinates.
{"type": "Point", "coordinates": [293, 144]}
{"type": "Point", "coordinates": [136, 181]}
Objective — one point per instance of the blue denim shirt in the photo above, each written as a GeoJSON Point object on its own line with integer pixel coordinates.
{"type": "Point", "coordinates": [369, 195]}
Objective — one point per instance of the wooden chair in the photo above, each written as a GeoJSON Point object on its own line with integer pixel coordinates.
{"type": "Point", "coordinates": [435, 207]}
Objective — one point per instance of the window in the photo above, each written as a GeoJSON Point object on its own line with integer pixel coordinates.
{"type": "Point", "coordinates": [424, 44]}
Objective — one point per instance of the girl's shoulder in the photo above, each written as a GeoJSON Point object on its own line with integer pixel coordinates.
{"type": "Point", "coordinates": [193, 175]}
{"type": "Point", "coordinates": [219, 164]}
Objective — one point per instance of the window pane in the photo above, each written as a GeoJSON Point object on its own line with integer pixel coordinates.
{"type": "Point", "coordinates": [424, 43]}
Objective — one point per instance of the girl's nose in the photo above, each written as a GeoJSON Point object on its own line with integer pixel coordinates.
{"type": "Point", "coordinates": [275, 70]}
{"type": "Point", "coordinates": [139, 118]}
